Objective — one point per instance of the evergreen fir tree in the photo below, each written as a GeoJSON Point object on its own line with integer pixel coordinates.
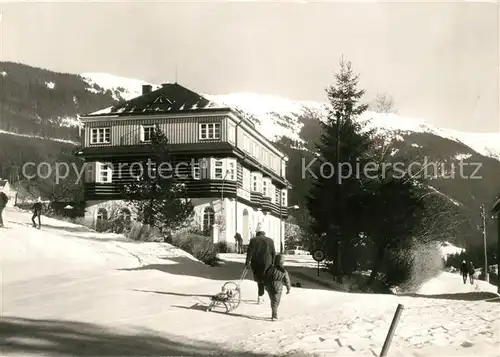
{"type": "Point", "coordinates": [368, 211]}
{"type": "Point", "coordinates": [159, 198]}
{"type": "Point", "coordinates": [336, 208]}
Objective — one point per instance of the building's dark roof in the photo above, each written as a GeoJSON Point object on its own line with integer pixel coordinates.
{"type": "Point", "coordinates": [496, 206]}
{"type": "Point", "coordinates": [3, 183]}
{"type": "Point", "coordinates": [170, 98]}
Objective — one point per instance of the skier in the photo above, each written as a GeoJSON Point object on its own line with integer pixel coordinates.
{"type": "Point", "coordinates": [464, 270]}
{"type": "Point", "coordinates": [3, 202]}
{"type": "Point", "coordinates": [275, 277]}
{"type": "Point", "coordinates": [471, 272]}
{"type": "Point", "coordinates": [37, 212]}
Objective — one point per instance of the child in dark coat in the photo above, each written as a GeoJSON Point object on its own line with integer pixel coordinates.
{"type": "Point", "coordinates": [275, 277]}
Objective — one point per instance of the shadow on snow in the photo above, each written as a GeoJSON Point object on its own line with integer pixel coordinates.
{"type": "Point", "coordinates": [56, 337]}
{"type": "Point", "coordinates": [228, 271]}
{"type": "Point", "coordinates": [470, 296]}
{"type": "Point", "coordinates": [198, 307]}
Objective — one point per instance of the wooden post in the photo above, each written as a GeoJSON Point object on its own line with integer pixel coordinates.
{"type": "Point", "coordinates": [498, 249]}
{"type": "Point", "coordinates": [392, 329]}
{"type": "Point", "coordinates": [486, 270]}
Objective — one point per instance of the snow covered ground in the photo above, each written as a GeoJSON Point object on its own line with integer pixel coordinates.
{"type": "Point", "coordinates": [67, 290]}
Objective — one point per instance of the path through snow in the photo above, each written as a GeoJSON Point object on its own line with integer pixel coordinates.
{"type": "Point", "coordinates": [67, 290]}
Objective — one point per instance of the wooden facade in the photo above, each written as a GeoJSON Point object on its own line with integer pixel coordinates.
{"type": "Point", "coordinates": [121, 143]}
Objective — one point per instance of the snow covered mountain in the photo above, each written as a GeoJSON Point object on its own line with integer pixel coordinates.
{"type": "Point", "coordinates": [278, 117]}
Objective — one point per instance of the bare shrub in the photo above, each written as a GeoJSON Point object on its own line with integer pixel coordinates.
{"type": "Point", "coordinates": [425, 262]}
{"type": "Point", "coordinates": [144, 233]}
{"type": "Point", "coordinates": [198, 246]}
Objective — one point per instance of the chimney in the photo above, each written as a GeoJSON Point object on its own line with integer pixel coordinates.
{"type": "Point", "coordinates": [146, 88]}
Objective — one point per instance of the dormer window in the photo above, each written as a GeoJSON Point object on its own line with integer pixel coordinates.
{"type": "Point", "coordinates": [209, 131]}
{"type": "Point", "coordinates": [162, 100]}
{"type": "Point", "coordinates": [147, 133]}
{"type": "Point", "coordinates": [100, 135]}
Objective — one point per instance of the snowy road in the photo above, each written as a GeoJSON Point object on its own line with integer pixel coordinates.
{"type": "Point", "coordinates": [70, 291]}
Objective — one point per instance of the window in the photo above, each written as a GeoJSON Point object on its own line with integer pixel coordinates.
{"type": "Point", "coordinates": [231, 134]}
{"type": "Point", "coordinates": [256, 182]}
{"type": "Point", "coordinates": [219, 169]}
{"type": "Point", "coordinates": [102, 214]}
{"type": "Point", "coordinates": [246, 143]}
{"type": "Point", "coordinates": [208, 220]}
{"type": "Point", "coordinates": [147, 132]}
{"type": "Point", "coordinates": [126, 215]}
{"type": "Point", "coordinates": [284, 201]}
{"type": "Point", "coordinates": [231, 168]}
{"type": "Point", "coordinates": [246, 179]}
{"type": "Point", "coordinates": [223, 169]}
{"type": "Point", "coordinates": [275, 164]}
{"type": "Point", "coordinates": [204, 168]}
{"type": "Point", "coordinates": [100, 136]}
{"type": "Point", "coordinates": [209, 131]}
{"type": "Point", "coordinates": [104, 172]}
{"type": "Point", "coordinates": [277, 196]}
{"type": "Point", "coordinates": [267, 188]}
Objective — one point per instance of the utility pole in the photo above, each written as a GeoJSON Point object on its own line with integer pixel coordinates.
{"type": "Point", "coordinates": [339, 181]}
{"type": "Point", "coordinates": [483, 217]}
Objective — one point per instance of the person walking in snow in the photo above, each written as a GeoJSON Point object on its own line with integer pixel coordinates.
{"type": "Point", "coordinates": [471, 271]}
{"type": "Point", "coordinates": [274, 278]}
{"type": "Point", "coordinates": [37, 212]}
{"type": "Point", "coordinates": [260, 256]}
{"type": "Point", "coordinates": [3, 203]}
{"type": "Point", "coordinates": [239, 243]}
{"type": "Point", "coordinates": [464, 271]}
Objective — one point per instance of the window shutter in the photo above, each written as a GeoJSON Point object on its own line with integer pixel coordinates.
{"type": "Point", "coordinates": [141, 132]}
{"type": "Point", "coordinates": [98, 168]}
{"type": "Point", "coordinates": [90, 172]}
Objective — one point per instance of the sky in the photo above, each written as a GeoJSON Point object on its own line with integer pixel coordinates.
{"type": "Point", "coordinates": [438, 60]}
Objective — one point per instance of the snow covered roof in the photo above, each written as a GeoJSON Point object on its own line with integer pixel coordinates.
{"type": "Point", "coordinates": [169, 98]}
